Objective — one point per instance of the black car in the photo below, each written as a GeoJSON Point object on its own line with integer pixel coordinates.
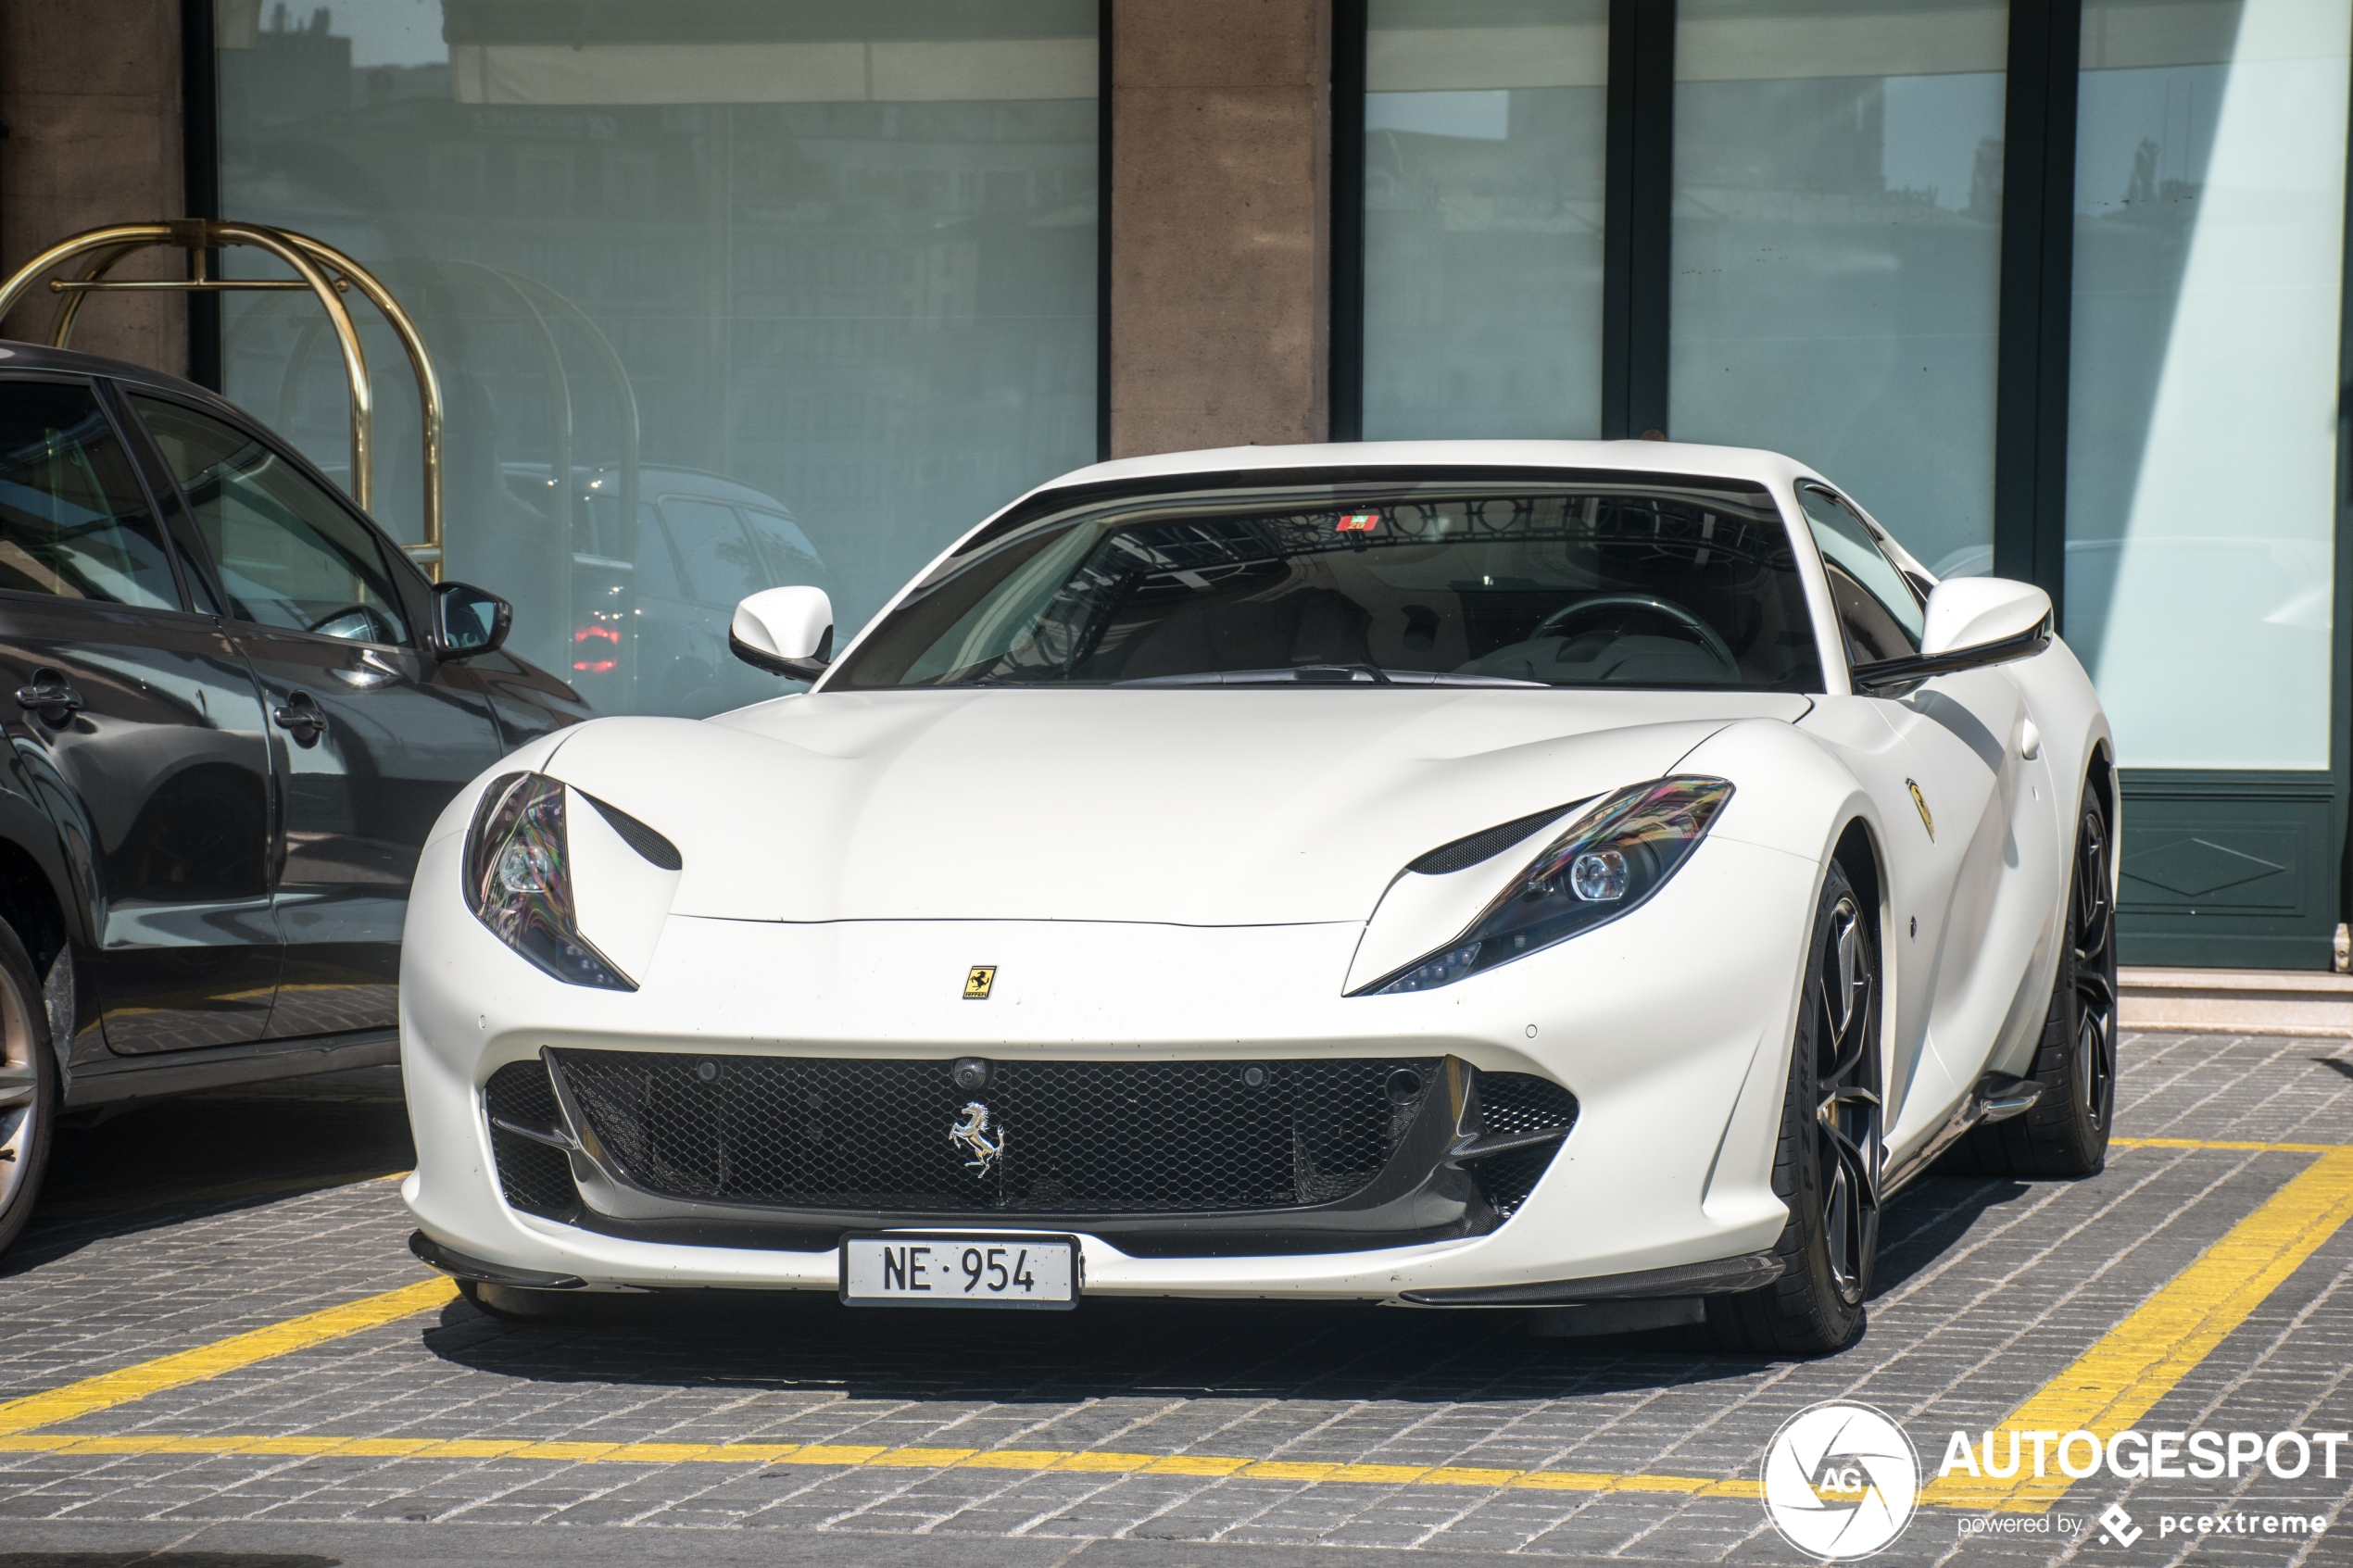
{"type": "Point", "coordinates": [234, 709]}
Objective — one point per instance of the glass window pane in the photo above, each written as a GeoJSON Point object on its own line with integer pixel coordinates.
{"type": "Point", "coordinates": [837, 259]}
{"type": "Point", "coordinates": [2210, 215]}
{"type": "Point", "coordinates": [1483, 142]}
{"type": "Point", "coordinates": [1876, 610]}
{"type": "Point", "coordinates": [73, 522]}
{"type": "Point", "coordinates": [790, 556]}
{"type": "Point", "coordinates": [1838, 180]}
{"type": "Point", "coordinates": [289, 554]}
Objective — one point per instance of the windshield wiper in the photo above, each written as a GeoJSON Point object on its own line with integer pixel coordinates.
{"type": "Point", "coordinates": [1325, 675]}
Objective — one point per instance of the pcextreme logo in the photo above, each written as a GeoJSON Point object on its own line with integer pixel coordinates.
{"type": "Point", "coordinates": [1841, 1481]}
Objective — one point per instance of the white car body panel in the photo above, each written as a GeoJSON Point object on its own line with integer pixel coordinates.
{"type": "Point", "coordinates": [1187, 874]}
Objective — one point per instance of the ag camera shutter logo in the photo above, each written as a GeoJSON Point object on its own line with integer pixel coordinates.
{"type": "Point", "coordinates": [1841, 1481]}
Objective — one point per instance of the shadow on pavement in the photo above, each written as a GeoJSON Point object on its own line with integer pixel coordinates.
{"type": "Point", "coordinates": [167, 1162]}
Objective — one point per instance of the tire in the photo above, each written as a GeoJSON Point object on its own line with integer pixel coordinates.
{"type": "Point", "coordinates": [1825, 1165]}
{"type": "Point", "coordinates": [28, 1089]}
{"type": "Point", "coordinates": [2065, 1135]}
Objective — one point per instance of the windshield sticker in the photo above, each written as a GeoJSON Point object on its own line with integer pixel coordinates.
{"type": "Point", "coordinates": [1358, 522]}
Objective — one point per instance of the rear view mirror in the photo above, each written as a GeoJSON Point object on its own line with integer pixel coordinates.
{"type": "Point", "coordinates": [785, 632]}
{"type": "Point", "coordinates": [467, 620]}
{"type": "Point", "coordinates": [1972, 621]}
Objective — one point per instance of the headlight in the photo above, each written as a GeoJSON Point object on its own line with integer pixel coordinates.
{"type": "Point", "coordinates": [1607, 862]}
{"type": "Point", "coordinates": [519, 881]}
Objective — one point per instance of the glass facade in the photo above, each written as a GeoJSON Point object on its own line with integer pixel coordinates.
{"type": "Point", "coordinates": [1483, 136]}
{"type": "Point", "coordinates": [2210, 220]}
{"type": "Point", "coordinates": [1837, 225]}
{"type": "Point", "coordinates": [816, 285]}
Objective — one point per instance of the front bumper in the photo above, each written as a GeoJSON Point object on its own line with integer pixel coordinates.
{"type": "Point", "coordinates": [1668, 1028]}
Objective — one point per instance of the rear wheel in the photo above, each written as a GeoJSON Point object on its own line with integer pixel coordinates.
{"type": "Point", "coordinates": [2065, 1135]}
{"type": "Point", "coordinates": [28, 1087]}
{"type": "Point", "coordinates": [1827, 1165]}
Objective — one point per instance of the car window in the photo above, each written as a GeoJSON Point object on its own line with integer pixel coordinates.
{"type": "Point", "coordinates": [721, 566]}
{"type": "Point", "coordinates": [1878, 610]}
{"type": "Point", "coordinates": [791, 557]}
{"type": "Point", "coordinates": [1600, 580]}
{"type": "Point", "coordinates": [73, 522]}
{"type": "Point", "coordinates": [288, 553]}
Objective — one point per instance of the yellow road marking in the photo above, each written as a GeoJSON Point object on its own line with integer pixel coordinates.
{"type": "Point", "coordinates": [849, 1455]}
{"type": "Point", "coordinates": [211, 1360]}
{"type": "Point", "coordinates": [2139, 1361]}
{"type": "Point", "coordinates": [2212, 1143]}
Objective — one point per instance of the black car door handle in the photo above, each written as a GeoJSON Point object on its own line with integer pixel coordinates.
{"type": "Point", "coordinates": [301, 719]}
{"type": "Point", "coordinates": [50, 696]}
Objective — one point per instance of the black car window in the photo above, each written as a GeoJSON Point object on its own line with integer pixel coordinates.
{"type": "Point", "coordinates": [288, 553]}
{"type": "Point", "coordinates": [73, 521]}
{"type": "Point", "coordinates": [721, 566]}
{"type": "Point", "coordinates": [1878, 610]}
{"type": "Point", "coordinates": [1624, 580]}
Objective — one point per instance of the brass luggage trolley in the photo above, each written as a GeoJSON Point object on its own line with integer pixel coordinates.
{"type": "Point", "coordinates": [325, 271]}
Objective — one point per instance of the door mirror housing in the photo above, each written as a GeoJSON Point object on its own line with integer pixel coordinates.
{"type": "Point", "coordinates": [467, 620]}
{"type": "Point", "coordinates": [785, 632]}
{"type": "Point", "coordinates": [1972, 621]}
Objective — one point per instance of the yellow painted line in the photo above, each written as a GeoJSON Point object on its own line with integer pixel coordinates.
{"type": "Point", "coordinates": [227, 1355]}
{"type": "Point", "coordinates": [2246, 1148]}
{"type": "Point", "coordinates": [2120, 1378]}
{"type": "Point", "coordinates": [849, 1455]}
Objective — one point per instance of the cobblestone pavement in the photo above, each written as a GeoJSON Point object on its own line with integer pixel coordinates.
{"type": "Point", "coordinates": [179, 1225]}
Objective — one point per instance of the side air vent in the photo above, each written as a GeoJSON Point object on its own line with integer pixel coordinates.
{"type": "Point", "coordinates": [1464, 853]}
{"type": "Point", "coordinates": [535, 1178]}
{"type": "Point", "coordinates": [1514, 1105]}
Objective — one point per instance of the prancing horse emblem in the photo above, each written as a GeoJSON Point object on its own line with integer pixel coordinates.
{"type": "Point", "coordinates": [970, 1134]}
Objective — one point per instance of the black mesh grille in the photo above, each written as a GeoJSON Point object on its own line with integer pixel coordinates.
{"type": "Point", "coordinates": [1079, 1137]}
{"type": "Point", "coordinates": [1510, 1104]}
{"type": "Point", "coordinates": [535, 1178]}
{"type": "Point", "coordinates": [1521, 1102]}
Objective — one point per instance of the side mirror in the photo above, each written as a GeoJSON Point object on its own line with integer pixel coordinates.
{"type": "Point", "coordinates": [467, 620]}
{"type": "Point", "coordinates": [785, 632]}
{"type": "Point", "coordinates": [1970, 612]}
{"type": "Point", "coordinates": [1972, 621]}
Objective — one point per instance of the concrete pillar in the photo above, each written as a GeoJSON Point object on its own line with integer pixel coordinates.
{"type": "Point", "coordinates": [90, 95]}
{"type": "Point", "coordinates": [1220, 221]}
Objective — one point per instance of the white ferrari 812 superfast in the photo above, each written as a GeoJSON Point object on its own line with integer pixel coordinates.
{"type": "Point", "coordinates": [1465, 874]}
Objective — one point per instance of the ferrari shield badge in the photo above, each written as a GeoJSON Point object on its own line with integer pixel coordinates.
{"type": "Point", "coordinates": [984, 975]}
{"type": "Point", "coordinates": [970, 1134]}
{"type": "Point", "coordinates": [1918, 799]}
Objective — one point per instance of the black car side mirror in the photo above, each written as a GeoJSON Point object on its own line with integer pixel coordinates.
{"type": "Point", "coordinates": [467, 620]}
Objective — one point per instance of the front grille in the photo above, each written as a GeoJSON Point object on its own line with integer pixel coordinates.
{"type": "Point", "coordinates": [1080, 1137]}
{"type": "Point", "coordinates": [535, 1178]}
{"type": "Point", "coordinates": [1509, 1104]}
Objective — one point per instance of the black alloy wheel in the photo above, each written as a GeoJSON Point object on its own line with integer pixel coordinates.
{"type": "Point", "coordinates": [1829, 1160]}
{"type": "Point", "coordinates": [2065, 1135]}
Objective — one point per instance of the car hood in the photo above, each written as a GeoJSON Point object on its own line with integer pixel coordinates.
{"type": "Point", "coordinates": [1181, 806]}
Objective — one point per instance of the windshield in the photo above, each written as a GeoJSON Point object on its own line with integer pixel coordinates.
{"type": "Point", "coordinates": [1624, 580]}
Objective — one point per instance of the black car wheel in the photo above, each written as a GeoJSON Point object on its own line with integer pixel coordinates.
{"type": "Point", "coordinates": [2065, 1134]}
{"type": "Point", "coordinates": [1827, 1164]}
{"type": "Point", "coordinates": [28, 1087]}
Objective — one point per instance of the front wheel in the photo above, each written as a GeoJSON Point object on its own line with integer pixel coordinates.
{"type": "Point", "coordinates": [1827, 1164]}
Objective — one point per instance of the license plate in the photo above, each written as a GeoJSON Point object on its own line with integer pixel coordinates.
{"type": "Point", "coordinates": [950, 1269]}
